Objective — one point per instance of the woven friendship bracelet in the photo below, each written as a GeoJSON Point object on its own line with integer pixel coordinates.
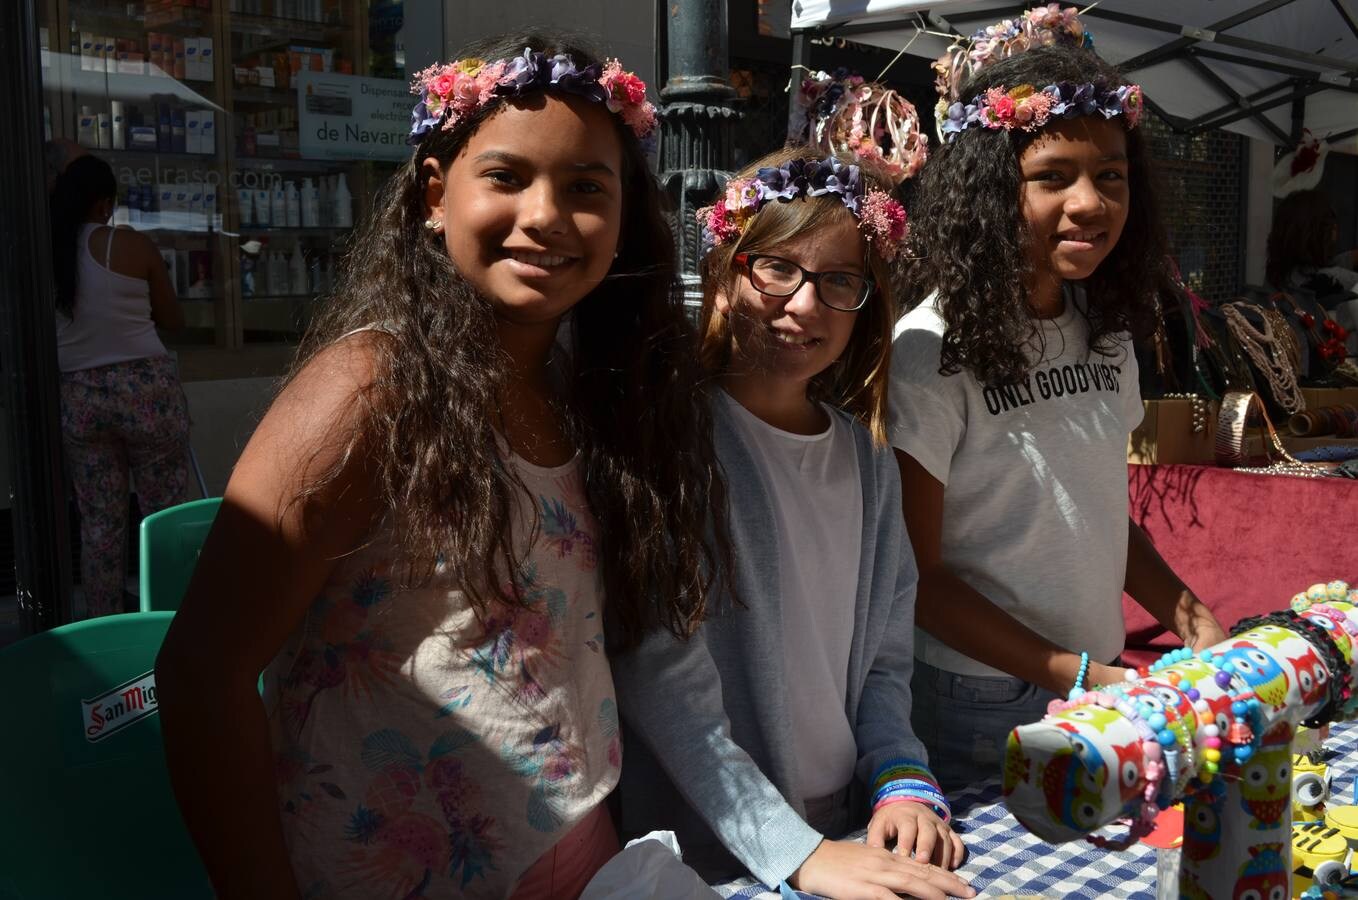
{"type": "Point", "coordinates": [1322, 641]}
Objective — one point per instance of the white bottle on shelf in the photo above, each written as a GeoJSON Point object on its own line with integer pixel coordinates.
{"type": "Point", "coordinates": [119, 126]}
{"type": "Point", "coordinates": [87, 128]}
{"type": "Point", "coordinates": [262, 207]}
{"type": "Point", "coordinates": [278, 206]}
{"type": "Point", "coordinates": [278, 274]}
{"type": "Point", "coordinates": [105, 130]}
{"type": "Point", "coordinates": [297, 273]}
{"type": "Point", "coordinates": [344, 205]}
{"type": "Point", "coordinates": [293, 205]}
{"type": "Point", "coordinates": [325, 187]}
{"type": "Point", "coordinates": [310, 205]}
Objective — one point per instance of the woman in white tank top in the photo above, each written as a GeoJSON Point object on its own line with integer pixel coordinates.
{"type": "Point", "coordinates": [123, 411]}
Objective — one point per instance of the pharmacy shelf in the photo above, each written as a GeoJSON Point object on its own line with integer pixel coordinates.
{"type": "Point", "coordinates": [286, 231]}
{"type": "Point", "coordinates": [297, 31]}
{"type": "Point", "coordinates": [230, 320]}
{"type": "Point", "coordinates": [295, 164]}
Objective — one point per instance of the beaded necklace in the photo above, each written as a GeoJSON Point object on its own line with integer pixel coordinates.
{"type": "Point", "coordinates": [1272, 353]}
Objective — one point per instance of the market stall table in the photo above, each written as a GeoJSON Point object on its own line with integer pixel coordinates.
{"type": "Point", "coordinates": [1003, 858]}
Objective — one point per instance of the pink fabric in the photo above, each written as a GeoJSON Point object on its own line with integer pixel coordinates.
{"type": "Point", "coordinates": [563, 871]}
{"type": "Point", "coordinates": [1244, 543]}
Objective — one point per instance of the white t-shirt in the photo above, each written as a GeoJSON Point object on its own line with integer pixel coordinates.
{"type": "Point", "coordinates": [1035, 506]}
{"type": "Point", "coordinates": [817, 499]}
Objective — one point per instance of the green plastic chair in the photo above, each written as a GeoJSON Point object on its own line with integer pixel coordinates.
{"type": "Point", "coordinates": [87, 806]}
{"type": "Point", "coordinates": [170, 541]}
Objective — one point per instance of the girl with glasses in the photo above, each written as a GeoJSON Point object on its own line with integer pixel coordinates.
{"type": "Point", "coordinates": [784, 722]}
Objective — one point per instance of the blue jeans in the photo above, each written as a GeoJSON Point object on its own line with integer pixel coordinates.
{"type": "Point", "coordinates": [964, 720]}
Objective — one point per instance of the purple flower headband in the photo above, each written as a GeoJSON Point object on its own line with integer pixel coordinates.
{"type": "Point", "coordinates": [1027, 108]}
{"type": "Point", "coordinates": [881, 219]}
{"type": "Point", "coordinates": [449, 93]}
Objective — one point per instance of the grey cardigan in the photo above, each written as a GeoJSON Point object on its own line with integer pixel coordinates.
{"type": "Point", "coordinates": [708, 753]}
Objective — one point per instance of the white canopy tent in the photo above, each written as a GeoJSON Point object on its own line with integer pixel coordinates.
{"type": "Point", "coordinates": [1263, 68]}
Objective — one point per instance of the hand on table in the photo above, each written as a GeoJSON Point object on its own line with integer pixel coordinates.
{"type": "Point", "coordinates": [846, 870]}
{"type": "Point", "coordinates": [915, 827]}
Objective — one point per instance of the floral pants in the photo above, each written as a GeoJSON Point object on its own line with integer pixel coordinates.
{"type": "Point", "coordinates": [130, 417]}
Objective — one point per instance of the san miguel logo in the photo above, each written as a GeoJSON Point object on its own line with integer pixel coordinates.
{"type": "Point", "coordinates": [114, 710]}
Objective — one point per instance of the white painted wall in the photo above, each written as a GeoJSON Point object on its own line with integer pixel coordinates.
{"type": "Point", "coordinates": [621, 28]}
{"type": "Point", "coordinates": [1258, 209]}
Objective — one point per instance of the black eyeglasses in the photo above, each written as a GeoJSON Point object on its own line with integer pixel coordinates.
{"type": "Point", "coordinates": [778, 277]}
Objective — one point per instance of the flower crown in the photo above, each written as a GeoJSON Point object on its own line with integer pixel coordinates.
{"type": "Point", "coordinates": [1039, 27]}
{"type": "Point", "coordinates": [1042, 26]}
{"type": "Point", "coordinates": [843, 113]}
{"type": "Point", "coordinates": [449, 93]}
{"type": "Point", "coordinates": [881, 219]}
{"type": "Point", "coordinates": [1029, 108]}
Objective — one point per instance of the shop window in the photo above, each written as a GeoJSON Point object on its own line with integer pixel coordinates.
{"type": "Point", "coordinates": [248, 137]}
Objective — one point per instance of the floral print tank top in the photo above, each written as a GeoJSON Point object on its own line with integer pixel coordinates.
{"type": "Point", "coordinates": [421, 754]}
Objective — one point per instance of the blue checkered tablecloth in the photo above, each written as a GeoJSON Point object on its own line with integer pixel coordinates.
{"type": "Point", "coordinates": [1004, 858]}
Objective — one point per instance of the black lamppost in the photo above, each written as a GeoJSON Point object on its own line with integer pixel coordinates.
{"type": "Point", "coordinates": [696, 115]}
{"type": "Point", "coordinates": [28, 344]}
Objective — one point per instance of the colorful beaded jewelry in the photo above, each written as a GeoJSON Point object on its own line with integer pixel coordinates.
{"type": "Point", "coordinates": [1153, 768]}
{"type": "Point", "coordinates": [1243, 733]}
{"type": "Point", "coordinates": [1078, 689]}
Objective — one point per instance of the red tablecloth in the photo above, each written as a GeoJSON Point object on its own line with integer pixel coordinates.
{"type": "Point", "coordinates": [1244, 543]}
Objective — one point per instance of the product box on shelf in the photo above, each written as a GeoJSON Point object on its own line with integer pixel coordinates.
{"type": "Point", "coordinates": [193, 129]}
{"type": "Point", "coordinates": [206, 60]}
{"type": "Point", "coordinates": [1166, 436]}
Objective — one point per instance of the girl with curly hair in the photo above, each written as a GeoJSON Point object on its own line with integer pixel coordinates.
{"type": "Point", "coordinates": [785, 722]}
{"type": "Point", "coordinates": [1014, 388]}
{"type": "Point", "coordinates": [423, 537]}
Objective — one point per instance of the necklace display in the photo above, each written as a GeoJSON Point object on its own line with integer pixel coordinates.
{"type": "Point", "coordinates": [1272, 350]}
{"type": "Point", "coordinates": [1330, 345]}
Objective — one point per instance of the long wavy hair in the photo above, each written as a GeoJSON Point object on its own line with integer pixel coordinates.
{"type": "Point", "coordinates": [972, 239]}
{"type": "Point", "coordinates": [633, 401]}
{"type": "Point", "coordinates": [85, 182]}
{"type": "Point", "coordinates": [1302, 235]}
{"type": "Point", "coordinates": [857, 381]}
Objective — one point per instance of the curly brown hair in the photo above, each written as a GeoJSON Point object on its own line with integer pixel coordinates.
{"type": "Point", "coordinates": [1302, 235]}
{"type": "Point", "coordinates": [970, 233]}
{"type": "Point", "coordinates": [857, 381]}
{"type": "Point", "coordinates": [633, 401]}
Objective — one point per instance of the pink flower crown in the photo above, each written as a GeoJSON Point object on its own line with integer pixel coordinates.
{"type": "Point", "coordinates": [1038, 27]}
{"type": "Point", "coordinates": [1027, 108]}
{"type": "Point", "coordinates": [450, 92]}
{"type": "Point", "coordinates": [881, 219]}
{"type": "Point", "coordinates": [842, 113]}
{"type": "Point", "coordinates": [1041, 26]}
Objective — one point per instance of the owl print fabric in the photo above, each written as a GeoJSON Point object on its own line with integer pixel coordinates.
{"type": "Point", "coordinates": [421, 753]}
{"type": "Point", "coordinates": [1083, 767]}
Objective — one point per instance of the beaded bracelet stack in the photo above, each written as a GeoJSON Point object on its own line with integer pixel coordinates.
{"type": "Point", "coordinates": [904, 779]}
